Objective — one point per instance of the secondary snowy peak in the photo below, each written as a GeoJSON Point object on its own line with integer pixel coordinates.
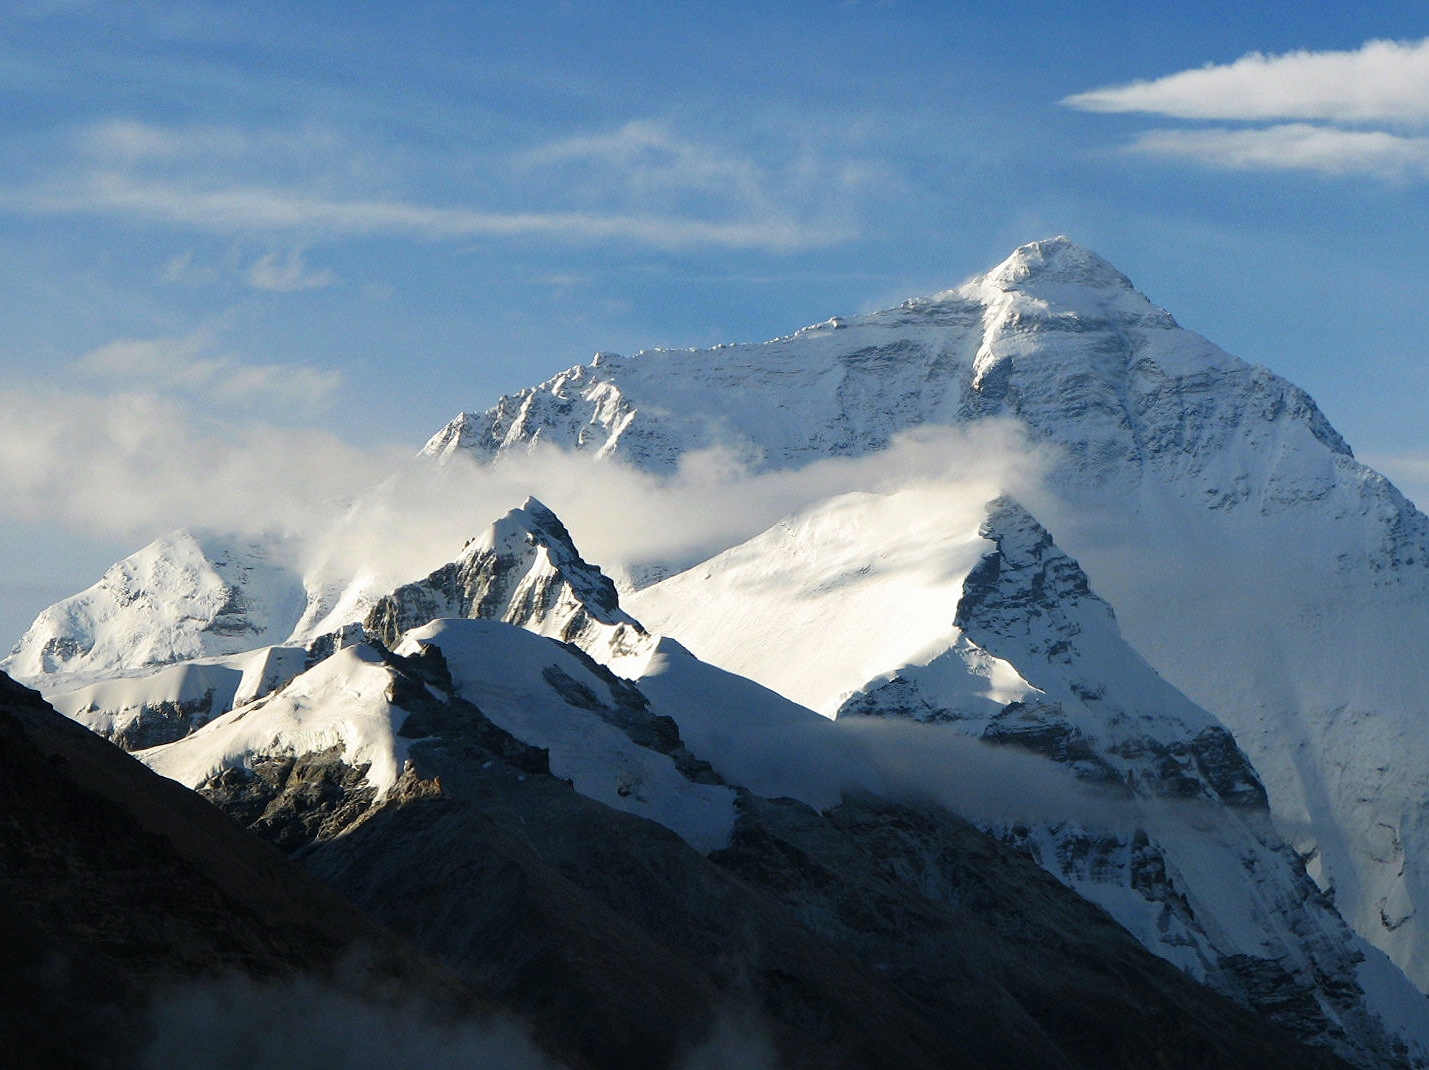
{"type": "Point", "coordinates": [835, 595]}
{"type": "Point", "coordinates": [182, 596]}
{"type": "Point", "coordinates": [524, 570]}
{"type": "Point", "coordinates": [1031, 604]}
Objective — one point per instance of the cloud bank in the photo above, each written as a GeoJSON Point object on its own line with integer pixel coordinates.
{"type": "Point", "coordinates": [625, 520]}
{"type": "Point", "coordinates": [1335, 113]}
{"type": "Point", "coordinates": [136, 463]}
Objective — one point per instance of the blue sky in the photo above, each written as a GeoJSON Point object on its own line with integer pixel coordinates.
{"type": "Point", "coordinates": [248, 254]}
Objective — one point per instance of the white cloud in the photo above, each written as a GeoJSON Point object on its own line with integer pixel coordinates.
{"type": "Point", "coordinates": [643, 165]}
{"type": "Point", "coordinates": [1294, 146]}
{"type": "Point", "coordinates": [623, 518]}
{"type": "Point", "coordinates": [286, 273]}
{"type": "Point", "coordinates": [189, 367]}
{"type": "Point", "coordinates": [182, 269]}
{"type": "Point", "coordinates": [131, 142]}
{"type": "Point", "coordinates": [135, 464]}
{"type": "Point", "coordinates": [1381, 82]}
{"type": "Point", "coordinates": [644, 159]}
{"type": "Point", "coordinates": [1336, 113]}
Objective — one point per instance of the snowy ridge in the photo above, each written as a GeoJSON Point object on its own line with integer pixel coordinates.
{"type": "Point", "coordinates": [348, 711]}
{"type": "Point", "coordinates": [144, 711]}
{"type": "Point", "coordinates": [551, 698]}
{"type": "Point", "coordinates": [341, 703]}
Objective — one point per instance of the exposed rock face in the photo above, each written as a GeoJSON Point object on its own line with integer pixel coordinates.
{"type": "Point", "coordinates": [930, 898]}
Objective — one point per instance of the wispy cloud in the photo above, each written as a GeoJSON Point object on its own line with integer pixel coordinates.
{"type": "Point", "coordinates": [645, 160]}
{"type": "Point", "coordinates": [1337, 113]}
{"type": "Point", "coordinates": [238, 209]}
{"type": "Point", "coordinates": [1294, 146]}
{"type": "Point", "coordinates": [189, 366]}
{"type": "Point", "coordinates": [1383, 81]}
{"type": "Point", "coordinates": [287, 272]}
{"type": "Point", "coordinates": [638, 184]}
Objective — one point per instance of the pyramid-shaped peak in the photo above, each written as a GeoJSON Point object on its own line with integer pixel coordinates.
{"type": "Point", "coordinates": [1056, 260]}
{"type": "Point", "coordinates": [531, 523]}
{"type": "Point", "coordinates": [537, 509]}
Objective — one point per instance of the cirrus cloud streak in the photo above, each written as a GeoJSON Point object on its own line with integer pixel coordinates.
{"type": "Point", "coordinates": [236, 209]}
{"type": "Point", "coordinates": [1292, 147]}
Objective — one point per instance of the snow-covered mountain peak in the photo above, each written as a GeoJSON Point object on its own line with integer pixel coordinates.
{"type": "Point", "coordinates": [1027, 581]}
{"type": "Point", "coordinates": [454, 437]}
{"type": "Point", "coordinates": [1058, 261]}
{"type": "Point", "coordinates": [529, 524]}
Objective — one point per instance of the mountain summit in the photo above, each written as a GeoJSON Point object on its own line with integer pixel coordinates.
{"type": "Point", "coordinates": [1210, 500]}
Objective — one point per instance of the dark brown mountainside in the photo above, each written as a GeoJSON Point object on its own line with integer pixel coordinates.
{"type": "Point", "coordinates": [128, 905]}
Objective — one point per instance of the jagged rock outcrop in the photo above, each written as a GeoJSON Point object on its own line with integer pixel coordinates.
{"type": "Point", "coordinates": [523, 570]}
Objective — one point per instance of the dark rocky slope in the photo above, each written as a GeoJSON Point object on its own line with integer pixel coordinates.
{"type": "Point", "coordinates": [122, 892]}
{"type": "Point", "coordinates": [874, 935]}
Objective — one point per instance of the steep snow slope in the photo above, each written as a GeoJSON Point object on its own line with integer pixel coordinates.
{"type": "Point", "coordinates": [825, 601]}
{"type": "Point", "coordinates": [1265, 572]}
